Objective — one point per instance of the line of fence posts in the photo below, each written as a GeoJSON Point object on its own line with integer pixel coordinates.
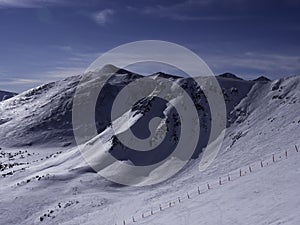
{"type": "Point", "coordinates": [209, 187]}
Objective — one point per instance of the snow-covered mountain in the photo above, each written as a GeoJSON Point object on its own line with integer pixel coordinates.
{"type": "Point", "coordinates": [45, 180]}
{"type": "Point", "coordinates": [43, 115]}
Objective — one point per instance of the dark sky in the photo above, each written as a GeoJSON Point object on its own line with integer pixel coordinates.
{"type": "Point", "coordinates": [46, 40]}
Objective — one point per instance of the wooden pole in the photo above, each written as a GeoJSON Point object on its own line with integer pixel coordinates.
{"type": "Point", "coordinates": [296, 148]}
{"type": "Point", "coordinates": [229, 177]}
{"type": "Point", "coordinates": [273, 158]}
{"type": "Point", "coordinates": [188, 196]}
{"type": "Point", "coordinates": [240, 172]}
{"type": "Point", "coordinates": [133, 219]}
{"type": "Point", "coordinates": [160, 207]}
{"type": "Point", "coordinates": [199, 192]}
{"type": "Point", "coordinates": [250, 169]}
{"type": "Point", "coordinates": [286, 154]}
{"type": "Point", "coordinates": [261, 164]}
{"type": "Point", "coordinates": [220, 181]}
{"type": "Point", "coordinates": [208, 186]}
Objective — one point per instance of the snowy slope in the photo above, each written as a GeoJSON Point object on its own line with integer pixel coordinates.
{"type": "Point", "coordinates": [266, 196]}
{"type": "Point", "coordinates": [53, 185]}
{"type": "Point", "coordinates": [43, 115]}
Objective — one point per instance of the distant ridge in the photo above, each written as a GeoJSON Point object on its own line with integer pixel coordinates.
{"type": "Point", "coordinates": [262, 78]}
{"type": "Point", "coordinates": [6, 95]}
{"type": "Point", "coordinates": [165, 75]}
{"type": "Point", "coordinates": [230, 76]}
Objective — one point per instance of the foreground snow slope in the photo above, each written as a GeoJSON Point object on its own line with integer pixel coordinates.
{"type": "Point", "coordinates": [266, 196]}
{"type": "Point", "coordinates": [53, 185]}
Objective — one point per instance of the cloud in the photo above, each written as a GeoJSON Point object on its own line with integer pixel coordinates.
{"type": "Point", "coordinates": [73, 63]}
{"type": "Point", "coordinates": [17, 81]}
{"type": "Point", "coordinates": [196, 10]}
{"type": "Point", "coordinates": [64, 48]}
{"type": "Point", "coordinates": [20, 84]}
{"type": "Point", "coordinates": [103, 17]}
{"type": "Point", "coordinates": [28, 3]}
{"type": "Point", "coordinates": [270, 64]}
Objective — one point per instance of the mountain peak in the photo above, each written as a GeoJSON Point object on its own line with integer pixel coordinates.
{"type": "Point", "coordinates": [262, 78]}
{"type": "Point", "coordinates": [109, 68]}
{"type": "Point", "coordinates": [165, 75]}
{"type": "Point", "coordinates": [230, 76]}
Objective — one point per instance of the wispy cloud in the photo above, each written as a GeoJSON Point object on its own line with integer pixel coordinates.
{"type": "Point", "coordinates": [64, 48]}
{"type": "Point", "coordinates": [28, 3]}
{"type": "Point", "coordinates": [17, 81]}
{"type": "Point", "coordinates": [74, 63]}
{"type": "Point", "coordinates": [20, 84]}
{"type": "Point", "coordinates": [103, 17]}
{"type": "Point", "coordinates": [194, 10]}
{"type": "Point", "coordinates": [270, 64]}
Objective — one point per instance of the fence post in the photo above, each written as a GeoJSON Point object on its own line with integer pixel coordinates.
{"type": "Point", "coordinates": [199, 192]}
{"type": "Point", "coordinates": [273, 158]}
{"type": "Point", "coordinates": [220, 181]}
{"type": "Point", "coordinates": [229, 177]}
{"type": "Point", "coordinates": [240, 172]}
{"type": "Point", "coordinates": [170, 204]}
{"type": "Point", "coordinates": [208, 186]}
{"type": "Point", "coordinates": [143, 216]}
{"type": "Point", "coordinates": [188, 196]}
{"type": "Point", "coordinates": [133, 219]}
{"type": "Point", "coordinates": [296, 148]}
{"type": "Point", "coordinates": [286, 154]}
{"type": "Point", "coordinates": [124, 222]}
{"type": "Point", "coordinates": [250, 169]}
{"type": "Point", "coordinates": [179, 199]}
{"type": "Point", "coordinates": [160, 207]}
{"type": "Point", "coordinates": [261, 164]}
{"type": "Point", "coordinates": [151, 212]}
